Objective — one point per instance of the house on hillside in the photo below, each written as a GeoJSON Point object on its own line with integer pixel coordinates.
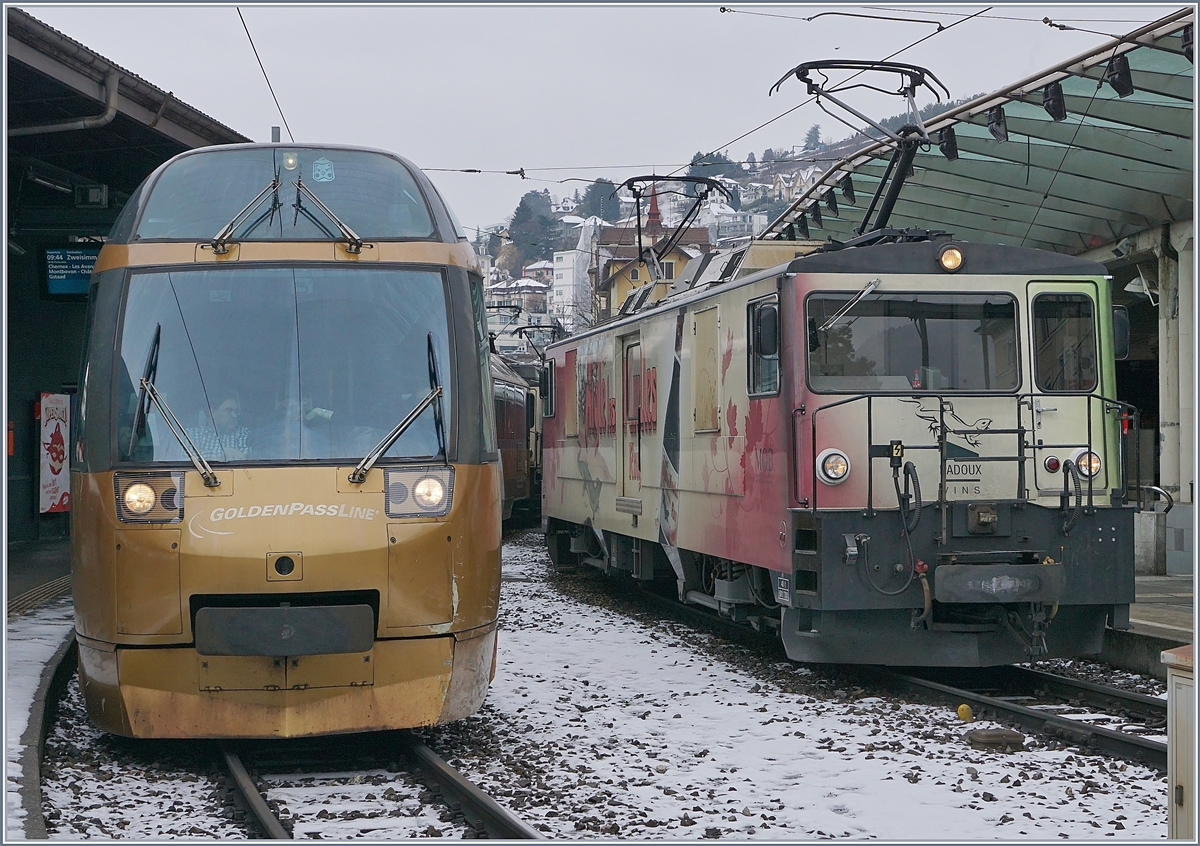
{"type": "Point", "coordinates": [541, 271]}
{"type": "Point", "coordinates": [621, 270]}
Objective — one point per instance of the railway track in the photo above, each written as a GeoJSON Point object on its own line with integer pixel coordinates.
{"type": "Point", "coordinates": [1055, 707]}
{"type": "Point", "coordinates": [275, 766]}
{"type": "Point", "coordinates": [1012, 696]}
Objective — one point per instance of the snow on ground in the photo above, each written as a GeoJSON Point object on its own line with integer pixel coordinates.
{"type": "Point", "coordinates": [99, 785]}
{"type": "Point", "coordinates": [603, 723]}
{"type": "Point", "coordinates": [30, 642]}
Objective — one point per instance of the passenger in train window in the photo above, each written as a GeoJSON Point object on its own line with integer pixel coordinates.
{"type": "Point", "coordinates": [226, 439]}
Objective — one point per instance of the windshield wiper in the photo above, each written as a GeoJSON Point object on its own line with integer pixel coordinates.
{"type": "Point", "coordinates": [353, 242]}
{"type": "Point", "coordinates": [868, 288]}
{"type": "Point", "coordinates": [220, 241]}
{"type": "Point", "coordinates": [359, 474]}
{"type": "Point", "coordinates": [206, 471]}
{"type": "Point", "coordinates": [149, 372]}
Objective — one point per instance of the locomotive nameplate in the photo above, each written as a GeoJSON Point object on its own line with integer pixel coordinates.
{"type": "Point", "coordinates": [999, 582]}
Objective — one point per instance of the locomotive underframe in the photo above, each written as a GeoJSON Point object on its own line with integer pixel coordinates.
{"type": "Point", "coordinates": [1020, 589]}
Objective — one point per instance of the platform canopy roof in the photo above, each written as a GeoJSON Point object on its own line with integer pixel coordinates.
{"type": "Point", "coordinates": [65, 129]}
{"type": "Point", "coordinates": [1112, 167]}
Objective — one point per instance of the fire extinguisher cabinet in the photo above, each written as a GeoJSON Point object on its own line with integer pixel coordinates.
{"type": "Point", "coordinates": [1181, 744]}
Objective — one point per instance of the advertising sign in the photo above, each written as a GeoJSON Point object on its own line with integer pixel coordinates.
{"type": "Point", "coordinates": [55, 486]}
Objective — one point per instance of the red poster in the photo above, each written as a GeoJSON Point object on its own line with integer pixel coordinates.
{"type": "Point", "coordinates": [55, 485]}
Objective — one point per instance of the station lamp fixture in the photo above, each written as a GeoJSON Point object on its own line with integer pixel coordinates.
{"type": "Point", "coordinates": [831, 202]}
{"type": "Point", "coordinates": [948, 143]}
{"type": "Point", "coordinates": [1118, 76]}
{"type": "Point", "coordinates": [815, 211]}
{"type": "Point", "coordinates": [1053, 102]}
{"type": "Point", "coordinates": [1185, 41]}
{"type": "Point", "coordinates": [996, 123]}
{"type": "Point", "coordinates": [802, 225]}
{"type": "Point", "coordinates": [847, 186]}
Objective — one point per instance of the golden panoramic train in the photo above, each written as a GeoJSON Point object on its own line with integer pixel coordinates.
{"type": "Point", "coordinates": [286, 487]}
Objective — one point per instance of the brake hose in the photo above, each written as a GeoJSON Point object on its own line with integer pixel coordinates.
{"type": "Point", "coordinates": [910, 472]}
{"type": "Point", "coordinates": [1071, 473]}
{"type": "Point", "coordinates": [912, 569]}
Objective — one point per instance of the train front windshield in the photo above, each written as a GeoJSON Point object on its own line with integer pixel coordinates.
{"type": "Point", "coordinates": [278, 364]}
{"type": "Point", "coordinates": [905, 342]}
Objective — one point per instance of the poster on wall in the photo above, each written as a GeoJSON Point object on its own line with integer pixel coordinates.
{"type": "Point", "coordinates": [56, 434]}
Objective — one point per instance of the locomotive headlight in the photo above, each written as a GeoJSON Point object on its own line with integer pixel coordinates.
{"type": "Point", "coordinates": [429, 493]}
{"type": "Point", "coordinates": [1088, 463]}
{"type": "Point", "coordinates": [418, 492]}
{"type": "Point", "coordinates": [290, 161]}
{"type": "Point", "coordinates": [833, 466]}
{"type": "Point", "coordinates": [139, 497]}
{"type": "Point", "coordinates": [950, 258]}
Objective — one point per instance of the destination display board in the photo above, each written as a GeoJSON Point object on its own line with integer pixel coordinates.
{"type": "Point", "coordinates": [68, 269]}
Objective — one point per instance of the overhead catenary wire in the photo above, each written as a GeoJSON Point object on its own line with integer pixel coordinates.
{"type": "Point", "coordinates": [270, 87]}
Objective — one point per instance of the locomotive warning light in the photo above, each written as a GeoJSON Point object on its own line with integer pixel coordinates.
{"type": "Point", "coordinates": [1088, 463]}
{"type": "Point", "coordinates": [950, 258]}
{"type": "Point", "coordinates": [1052, 463]}
{"type": "Point", "coordinates": [139, 497]}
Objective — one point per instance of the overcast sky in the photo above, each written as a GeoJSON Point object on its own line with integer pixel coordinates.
{"type": "Point", "coordinates": [565, 92]}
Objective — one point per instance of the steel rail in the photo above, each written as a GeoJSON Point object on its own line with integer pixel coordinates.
{"type": "Point", "coordinates": [1129, 747]}
{"type": "Point", "coordinates": [476, 806]}
{"type": "Point", "coordinates": [255, 804]}
{"type": "Point", "coordinates": [1094, 695]}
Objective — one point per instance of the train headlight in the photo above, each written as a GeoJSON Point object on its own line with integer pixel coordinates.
{"type": "Point", "coordinates": [149, 497]}
{"type": "Point", "coordinates": [291, 160]}
{"type": "Point", "coordinates": [139, 497]}
{"type": "Point", "coordinates": [950, 258]}
{"type": "Point", "coordinates": [1088, 463]}
{"type": "Point", "coordinates": [429, 493]}
{"type": "Point", "coordinates": [833, 466]}
{"type": "Point", "coordinates": [419, 491]}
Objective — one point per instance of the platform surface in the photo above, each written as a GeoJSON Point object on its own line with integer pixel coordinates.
{"type": "Point", "coordinates": [1164, 607]}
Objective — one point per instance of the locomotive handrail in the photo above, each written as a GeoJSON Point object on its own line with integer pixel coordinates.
{"type": "Point", "coordinates": [1155, 489]}
{"type": "Point", "coordinates": [946, 403]}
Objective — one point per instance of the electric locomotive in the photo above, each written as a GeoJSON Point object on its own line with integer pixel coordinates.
{"type": "Point", "coordinates": [903, 449]}
{"type": "Point", "coordinates": [286, 485]}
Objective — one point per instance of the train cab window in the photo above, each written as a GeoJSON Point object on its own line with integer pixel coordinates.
{"type": "Point", "coordinates": [906, 342]}
{"type": "Point", "coordinates": [254, 362]}
{"type": "Point", "coordinates": [1064, 338]}
{"type": "Point", "coordinates": [197, 195]}
{"type": "Point", "coordinates": [762, 323]}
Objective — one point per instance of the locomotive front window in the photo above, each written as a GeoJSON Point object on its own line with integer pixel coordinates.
{"type": "Point", "coordinates": [373, 194]}
{"type": "Point", "coordinates": [1064, 338]}
{"type": "Point", "coordinates": [279, 364]}
{"type": "Point", "coordinates": [912, 342]}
